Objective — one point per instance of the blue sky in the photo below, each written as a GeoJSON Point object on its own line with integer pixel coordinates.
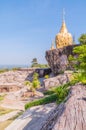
{"type": "Point", "coordinates": [27, 27]}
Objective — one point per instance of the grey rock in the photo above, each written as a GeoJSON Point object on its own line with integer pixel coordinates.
{"type": "Point", "coordinates": [56, 81]}
{"type": "Point", "coordinates": [58, 58]}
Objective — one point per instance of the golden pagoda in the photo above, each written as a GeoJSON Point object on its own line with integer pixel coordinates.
{"type": "Point", "coordinates": [63, 38]}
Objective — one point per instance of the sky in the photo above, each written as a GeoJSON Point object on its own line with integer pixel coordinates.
{"type": "Point", "coordinates": [28, 27]}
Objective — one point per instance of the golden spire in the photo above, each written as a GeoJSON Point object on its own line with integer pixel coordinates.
{"type": "Point", "coordinates": [63, 38]}
{"type": "Point", "coordinates": [63, 27]}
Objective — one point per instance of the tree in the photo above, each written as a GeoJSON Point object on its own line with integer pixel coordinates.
{"type": "Point", "coordinates": [82, 39]}
{"type": "Point", "coordinates": [81, 59]}
{"type": "Point", "coordinates": [79, 63]}
{"type": "Point", "coordinates": [34, 62]}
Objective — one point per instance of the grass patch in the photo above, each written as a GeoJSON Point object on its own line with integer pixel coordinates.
{"type": "Point", "coordinates": [4, 124]}
{"type": "Point", "coordinates": [57, 94]}
{"type": "Point", "coordinates": [46, 100]}
{"type": "Point", "coordinates": [2, 97]}
{"type": "Point", "coordinates": [4, 111]}
{"type": "Point", "coordinates": [55, 89]}
{"type": "Point", "coordinates": [4, 70]}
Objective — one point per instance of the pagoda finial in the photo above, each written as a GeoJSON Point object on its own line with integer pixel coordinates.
{"type": "Point", "coordinates": [63, 15]}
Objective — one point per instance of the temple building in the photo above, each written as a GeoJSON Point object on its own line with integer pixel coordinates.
{"type": "Point", "coordinates": [63, 38]}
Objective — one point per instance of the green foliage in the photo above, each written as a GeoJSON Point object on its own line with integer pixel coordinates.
{"type": "Point", "coordinates": [49, 99]}
{"type": "Point", "coordinates": [80, 77]}
{"type": "Point", "coordinates": [15, 68]}
{"type": "Point", "coordinates": [81, 51]}
{"type": "Point", "coordinates": [28, 84]}
{"type": "Point", "coordinates": [34, 61]}
{"type": "Point", "coordinates": [46, 76]}
{"type": "Point", "coordinates": [4, 111]}
{"type": "Point", "coordinates": [1, 97]}
{"type": "Point", "coordinates": [3, 70]}
{"type": "Point", "coordinates": [65, 86]}
{"type": "Point", "coordinates": [43, 66]}
{"type": "Point", "coordinates": [56, 94]}
{"type": "Point", "coordinates": [34, 84]}
{"type": "Point", "coordinates": [40, 65]}
{"type": "Point", "coordinates": [35, 76]}
{"type": "Point", "coordinates": [62, 93]}
{"type": "Point", "coordinates": [82, 39]}
{"type": "Point", "coordinates": [79, 62]}
{"type": "Point", "coordinates": [36, 64]}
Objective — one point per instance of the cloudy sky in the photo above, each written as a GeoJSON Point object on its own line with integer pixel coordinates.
{"type": "Point", "coordinates": [27, 27]}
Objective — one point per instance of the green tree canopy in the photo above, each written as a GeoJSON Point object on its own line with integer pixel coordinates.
{"type": "Point", "coordinates": [79, 60]}
{"type": "Point", "coordinates": [82, 39]}
{"type": "Point", "coordinates": [34, 61]}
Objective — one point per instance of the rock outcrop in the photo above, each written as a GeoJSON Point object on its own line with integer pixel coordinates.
{"type": "Point", "coordinates": [55, 81]}
{"type": "Point", "coordinates": [58, 58]}
{"type": "Point", "coordinates": [58, 80]}
{"type": "Point", "coordinates": [70, 115]}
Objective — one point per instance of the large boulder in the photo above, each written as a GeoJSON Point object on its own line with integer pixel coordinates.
{"type": "Point", "coordinates": [58, 58]}
{"type": "Point", "coordinates": [56, 81]}
{"type": "Point", "coordinates": [70, 115]}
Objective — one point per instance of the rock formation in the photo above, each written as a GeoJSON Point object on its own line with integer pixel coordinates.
{"type": "Point", "coordinates": [70, 115]}
{"type": "Point", "coordinates": [57, 80]}
{"type": "Point", "coordinates": [58, 58]}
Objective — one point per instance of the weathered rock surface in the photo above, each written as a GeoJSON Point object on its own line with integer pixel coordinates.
{"type": "Point", "coordinates": [33, 118]}
{"type": "Point", "coordinates": [70, 115]}
{"type": "Point", "coordinates": [57, 81]}
{"type": "Point", "coordinates": [58, 58]}
{"type": "Point", "coordinates": [12, 80]}
{"type": "Point", "coordinates": [41, 73]}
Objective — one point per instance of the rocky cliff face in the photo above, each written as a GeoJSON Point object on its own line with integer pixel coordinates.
{"type": "Point", "coordinates": [58, 58]}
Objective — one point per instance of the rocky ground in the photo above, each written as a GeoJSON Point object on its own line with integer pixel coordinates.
{"type": "Point", "coordinates": [13, 78]}
{"type": "Point", "coordinates": [12, 85]}
{"type": "Point", "coordinates": [33, 118]}
{"type": "Point", "coordinates": [70, 115]}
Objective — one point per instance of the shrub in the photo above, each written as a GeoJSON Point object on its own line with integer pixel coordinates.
{"type": "Point", "coordinates": [49, 99]}
{"type": "Point", "coordinates": [35, 76]}
{"type": "Point", "coordinates": [3, 70]}
{"type": "Point", "coordinates": [15, 68]}
{"type": "Point", "coordinates": [36, 84]}
{"type": "Point", "coordinates": [62, 94]}
{"type": "Point", "coordinates": [56, 94]}
{"type": "Point", "coordinates": [46, 76]}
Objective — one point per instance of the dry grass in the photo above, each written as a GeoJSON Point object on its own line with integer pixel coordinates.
{"type": "Point", "coordinates": [4, 124]}
{"type": "Point", "coordinates": [2, 97]}
{"type": "Point", "coordinates": [4, 111]}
